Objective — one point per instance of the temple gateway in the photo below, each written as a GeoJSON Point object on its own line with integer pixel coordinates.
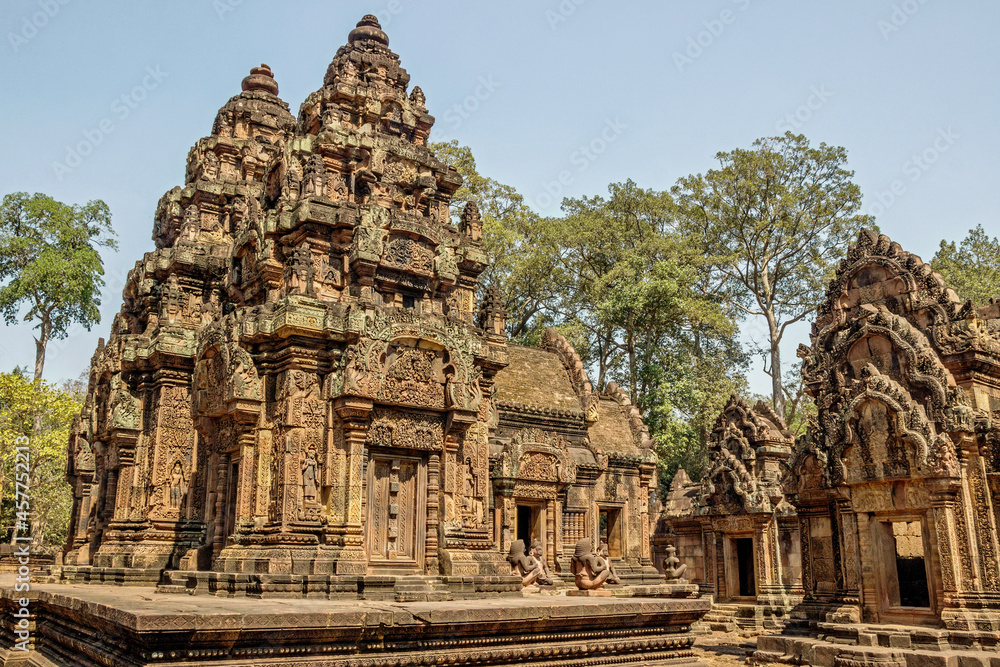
{"type": "Point", "coordinates": [302, 389]}
{"type": "Point", "coordinates": [873, 540]}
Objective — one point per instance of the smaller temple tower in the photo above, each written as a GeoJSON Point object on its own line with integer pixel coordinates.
{"type": "Point", "coordinates": [735, 530]}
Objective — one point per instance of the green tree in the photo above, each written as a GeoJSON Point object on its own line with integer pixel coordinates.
{"type": "Point", "coordinates": [971, 268]}
{"type": "Point", "coordinates": [776, 219]}
{"type": "Point", "coordinates": [43, 414]}
{"type": "Point", "coordinates": [633, 282]}
{"type": "Point", "coordinates": [50, 262]}
{"type": "Point", "coordinates": [522, 246]}
{"type": "Point", "coordinates": [698, 374]}
{"type": "Point", "coordinates": [651, 326]}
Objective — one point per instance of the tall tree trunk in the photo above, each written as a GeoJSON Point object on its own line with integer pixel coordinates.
{"type": "Point", "coordinates": [777, 388]}
{"type": "Point", "coordinates": [45, 330]}
{"type": "Point", "coordinates": [633, 370]}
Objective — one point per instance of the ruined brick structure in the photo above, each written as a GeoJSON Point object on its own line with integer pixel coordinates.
{"type": "Point", "coordinates": [734, 530]}
{"type": "Point", "coordinates": [897, 484]}
{"type": "Point", "coordinates": [303, 392]}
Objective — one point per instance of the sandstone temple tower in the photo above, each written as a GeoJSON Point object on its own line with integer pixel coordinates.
{"type": "Point", "coordinates": [306, 383]}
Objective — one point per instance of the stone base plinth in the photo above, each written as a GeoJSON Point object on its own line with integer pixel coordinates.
{"type": "Point", "coordinates": [134, 627]}
{"type": "Point", "coordinates": [857, 645]}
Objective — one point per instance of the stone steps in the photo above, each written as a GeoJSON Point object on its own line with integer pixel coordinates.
{"type": "Point", "coordinates": [797, 650]}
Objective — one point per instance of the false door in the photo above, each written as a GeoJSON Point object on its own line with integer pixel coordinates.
{"type": "Point", "coordinates": [397, 492]}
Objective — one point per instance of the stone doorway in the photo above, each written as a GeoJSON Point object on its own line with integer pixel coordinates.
{"type": "Point", "coordinates": [610, 531]}
{"type": "Point", "coordinates": [746, 582]}
{"type": "Point", "coordinates": [529, 523]}
{"type": "Point", "coordinates": [901, 552]}
{"type": "Point", "coordinates": [231, 492]}
{"type": "Point", "coordinates": [397, 494]}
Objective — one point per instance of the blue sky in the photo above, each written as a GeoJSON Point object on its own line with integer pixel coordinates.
{"type": "Point", "coordinates": [555, 98]}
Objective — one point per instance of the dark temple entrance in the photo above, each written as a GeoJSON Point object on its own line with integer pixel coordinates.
{"type": "Point", "coordinates": [744, 561]}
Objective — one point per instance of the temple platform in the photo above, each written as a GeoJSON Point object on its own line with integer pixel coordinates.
{"type": "Point", "coordinates": [129, 626]}
{"type": "Point", "coordinates": [868, 645]}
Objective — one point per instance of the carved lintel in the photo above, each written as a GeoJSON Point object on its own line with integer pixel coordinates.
{"type": "Point", "coordinates": [353, 411]}
{"type": "Point", "coordinates": [124, 441]}
{"type": "Point", "coordinates": [458, 421]}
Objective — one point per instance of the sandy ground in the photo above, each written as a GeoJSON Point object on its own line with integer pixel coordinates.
{"type": "Point", "coordinates": [724, 649]}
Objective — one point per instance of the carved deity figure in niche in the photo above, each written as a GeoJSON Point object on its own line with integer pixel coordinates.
{"type": "Point", "coordinates": [605, 553]}
{"type": "Point", "coordinates": [249, 163]}
{"type": "Point", "coordinates": [450, 393]}
{"type": "Point", "coordinates": [223, 125]}
{"type": "Point", "coordinates": [672, 565]}
{"type": "Point", "coordinates": [178, 487]}
{"type": "Point", "coordinates": [238, 215]}
{"type": "Point", "coordinates": [472, 505]}
{"type": "Point", "coordinates": [293, 181]}
{"type": "Point", "coordinates": [309, 474]}
{"type": "Point", "coordinates": [874, 432]}
{"type": "Point", "coordinates": [589, 570]}
{"type": "Point", "coordinates": [332, 117]}
{"type": "Point", "coordinates": [738, 444]}
{"type": "Point", "coordinates": [523, 565]}
{"type": "Point", "coordinates": [314, 182]}
{"type": "Point", "coordinates": [210, 168]}
{"type": "Point", "coordinates": [191, 226]}
{"type": "Point", "coordinates": [172, 301]}
{"type": "Point", "coordinates": [336, 187]}
{"type": "Point", "coordinates": [537, 552]}
{"type": "Point", "coordinates": [299, 274]}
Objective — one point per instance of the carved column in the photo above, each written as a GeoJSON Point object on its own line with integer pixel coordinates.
{"type": "Point", "coordinates": [558, 524]}
{"type": "Point", "coordinates": [869, 570]}
{"type": "Point", "coordinates": [550, 534]}
{"type": "Point", "coordinates": [263, 478]}
{"type": "Point", "coordinates": [246, 486]}
{"type": "Point", "coordinates": [985, 524]}
{"type": "Point", "coordinates": [849, 552]}
{"type": "Point", "coordinates": [941, 522]}
{"type": "Point", "coordinates": [808, 585]}
{"type": "Point", "coordinates": [353, 413]}
{"type": "Point", "coordinates": [219, 515]}
{"type": "Point", "coordinates": [433, 494]}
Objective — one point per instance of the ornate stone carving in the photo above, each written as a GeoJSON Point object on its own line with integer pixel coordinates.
{"type": "Point", "coordinates": [299, 379]}
{"type": "Point", "coordinates": [672, 565]}
{"type": "Point", "coordinates": [590, 571]}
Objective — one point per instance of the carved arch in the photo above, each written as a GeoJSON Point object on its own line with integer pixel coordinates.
{"type": "Point", "coordinates": [911, 426]}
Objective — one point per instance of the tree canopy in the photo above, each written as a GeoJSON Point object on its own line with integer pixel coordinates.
{"type": "Point", "coordinates": [523, 246]}
{"type": "Point", "coordinates": [971, 268]}
{"type": "Point", "coordinates": [42, 413]}
{"type": "Point", "coordinates": [50, 261]}
{"type": "Point", "coordinates": [774, 220]}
